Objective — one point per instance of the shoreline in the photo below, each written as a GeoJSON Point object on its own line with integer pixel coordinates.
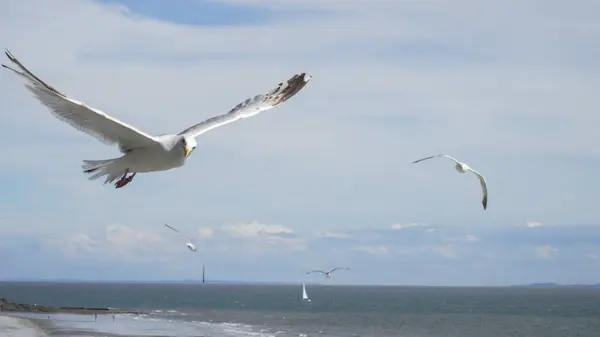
{"type": "Point", "coordinates": [23, 325]}
{"type": "Point", "coordinates": [9, 306]}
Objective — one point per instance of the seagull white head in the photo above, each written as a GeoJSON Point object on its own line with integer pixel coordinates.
{"type": "Point", "coordinates": [189, 144]}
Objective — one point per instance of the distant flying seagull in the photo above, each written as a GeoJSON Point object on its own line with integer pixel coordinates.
{"type": "Point", "coordinates": [189, 244]}
{"type": "Point", "coordinates": [143, 153]}
{"type": "Point", "coordinates": [327, 273]}
{"type": "Point", "coordinates": [462, 168]}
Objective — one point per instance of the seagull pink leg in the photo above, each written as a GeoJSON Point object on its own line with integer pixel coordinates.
{"type": "Point", "coordinates": [124, 180]}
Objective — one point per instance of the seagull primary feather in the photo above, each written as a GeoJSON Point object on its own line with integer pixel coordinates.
{"type": "Point", "coordinates": [189, 244]}
{"type": "Point", "coordinates": [143, 153]}
{"type": "Point", "coordinates": [327, 273]}
{"type": "Point", "coordinates": [462, 168]}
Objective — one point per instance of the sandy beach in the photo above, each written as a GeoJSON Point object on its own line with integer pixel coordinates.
{"type": "Point", "coordinates": [21, 319]}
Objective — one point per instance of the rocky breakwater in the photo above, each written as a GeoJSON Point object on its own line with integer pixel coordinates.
{"type": "Point", "coordinates": [8, 306]}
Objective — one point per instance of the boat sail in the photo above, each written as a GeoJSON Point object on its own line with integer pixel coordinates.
{"type": "Point", "coordinates": [304, 295]}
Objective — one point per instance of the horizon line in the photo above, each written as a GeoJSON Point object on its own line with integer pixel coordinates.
{"type": "Point", "coordinates": [238, 282]}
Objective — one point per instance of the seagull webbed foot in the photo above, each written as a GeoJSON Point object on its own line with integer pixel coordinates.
{"type": "Point", "coordinates": [124, 180]}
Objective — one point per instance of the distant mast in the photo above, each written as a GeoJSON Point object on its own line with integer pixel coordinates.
{"type": "Point", "coordinates": [202, 274]}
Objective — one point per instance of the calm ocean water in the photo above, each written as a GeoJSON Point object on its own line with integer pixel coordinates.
{"type": "Point", "coordinates": [218, 310]}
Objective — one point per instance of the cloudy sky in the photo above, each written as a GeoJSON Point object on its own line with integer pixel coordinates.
{"type": "Point", "coordinates": [324, 180]}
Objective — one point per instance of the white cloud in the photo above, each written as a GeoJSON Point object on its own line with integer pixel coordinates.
{"type": "Point", "coordinates": [117, 242]}
{"type": "Point", "coordinates": [514, 251]}
{"type": "Point", "coordinates": [205, 233]}
{"type": "Point", "coordinates": [404, 226]}
{"type": "Point", "coordinates": [261, 238]}
{"type": "Point", "coordinates": [77, 245]}
{"type": "Point", "coordinates": [336, 235]}
{"type": "Point", "coordinates": [545, 251]}
{"type": "Point", "coordinates": [255, 229]}
{"type": "Point", "coordinates": [83, 241]}
{"type": "Point", "coordinates": [119, 235]}
{"type": "Point", "coordinates": [532, 224]}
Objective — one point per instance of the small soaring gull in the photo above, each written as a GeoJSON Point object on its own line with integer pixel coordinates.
{"type": "Point", "coordinates": [142, 152]}
{"type": "Point", "coordinates": [189, 244]}
{"type": "Point", "coordinates": [462, 168]}
{"type": "Point", "coordinates": [327, 273]}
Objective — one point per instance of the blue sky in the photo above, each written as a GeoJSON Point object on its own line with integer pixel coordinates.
{"type": "Point", "coordinates": [325, 179]}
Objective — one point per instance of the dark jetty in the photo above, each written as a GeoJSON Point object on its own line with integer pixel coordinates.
{"type": "Point", "coordinates": [8, 306]}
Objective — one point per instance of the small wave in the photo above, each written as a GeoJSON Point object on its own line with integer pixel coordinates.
{"type": "Point", "coordinates": [231, 324]}
{"type": "Point", "coordinates": [153, 324]}
{"type": "Point", "coordinates": [237, 329]}
{"type": "Point", "coordinates": [19, 327]}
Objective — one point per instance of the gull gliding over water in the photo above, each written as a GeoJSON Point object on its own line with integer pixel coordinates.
{"type": "Point", "coordinates": [189, 244]}
{"type": "Point", "coordinates": [327, 273]}
{"type": "Point", "coordinates": [462, 168]}
{"type": "Point", "coordinates": [142, 152]}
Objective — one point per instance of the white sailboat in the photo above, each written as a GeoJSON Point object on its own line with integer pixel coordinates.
{"type": "Point", "coordinates": [304, 295]}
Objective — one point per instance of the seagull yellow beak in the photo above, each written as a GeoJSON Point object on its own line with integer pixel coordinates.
{"type": "Point", "coordinates": [187, 152]}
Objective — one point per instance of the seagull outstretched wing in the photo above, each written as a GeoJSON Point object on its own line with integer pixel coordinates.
{"type": "Point", "coordinates": [79, 115]}
{"type": "Point", "coordinates": [172, 228]}
{"type": "Point", "coordinates": [338, 268]}
{"type": "Point", "coordinates": [252, 106]}
{"type": "Point", "coordinates": [437, 156]}
{"type": "Point", "coordinates": [316, 271]}
{"type": "Point", "coordinates": [483, 183]}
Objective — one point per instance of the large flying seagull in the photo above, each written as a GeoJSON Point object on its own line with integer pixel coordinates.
{"type": "Point", "coordinates": [143, 153]}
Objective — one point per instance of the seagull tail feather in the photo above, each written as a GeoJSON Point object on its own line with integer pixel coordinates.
{"type": "Point", "coordinates": [99, 168]}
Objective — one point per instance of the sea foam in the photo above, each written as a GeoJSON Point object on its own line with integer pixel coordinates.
{"type": "Point", "coordinates": [19, 327]}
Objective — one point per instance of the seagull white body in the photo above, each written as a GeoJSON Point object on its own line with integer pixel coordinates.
{"type": "Point", "coordinates": [189, 243]}
{"type": "Point", "coordinates": [191, 246]}
{"type": "Point", "coordinates": [143, 153]}
{"type": "Point", "coordinates": [327, 273]}
{"type": "Point", "coordinates": [462, 168]}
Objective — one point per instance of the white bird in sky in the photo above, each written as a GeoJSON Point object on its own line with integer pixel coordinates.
{"type": "Point", "coordinates": [189, 244]}
{"type": "Point", "coordinates": [142, 152]}
{"type": "Point", "coordinates": [327, 273]}
{"type": "Point", "coordinates": [462, 168]}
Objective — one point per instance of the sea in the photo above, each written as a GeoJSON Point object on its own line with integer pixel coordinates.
{"type": "Point", "coordinates": [220, 310]}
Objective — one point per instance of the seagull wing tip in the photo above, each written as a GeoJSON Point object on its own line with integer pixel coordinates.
{"type": "Point", "coordinates": [9, 55]}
